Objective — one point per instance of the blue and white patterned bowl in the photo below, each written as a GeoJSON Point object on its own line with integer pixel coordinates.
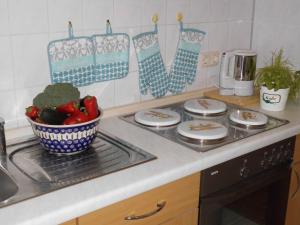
{"type": "Point", "coordinates": [66, 139]}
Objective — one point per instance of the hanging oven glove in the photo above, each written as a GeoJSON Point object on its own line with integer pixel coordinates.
{"type": "Point", "coordinates": [71, 60]}
{"type": "Point", "coordinates": [152, 72]}
{"type": "Point", "coordinates": [184, 67]}
{"type": "Point", "coordinates": [111, 55]}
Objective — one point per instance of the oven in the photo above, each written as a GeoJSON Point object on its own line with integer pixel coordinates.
{"type": "Point", "coordinates": [248, 190]}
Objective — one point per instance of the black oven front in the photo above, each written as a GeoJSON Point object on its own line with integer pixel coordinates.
{"type": "Point", "coordinates": [248, 190]}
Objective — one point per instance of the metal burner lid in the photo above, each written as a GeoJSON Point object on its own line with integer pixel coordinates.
{"type": "Point", "coordinates": [157, 117]}
{"type": "Point", "coordinates": [202, 129]}
{"type": "Point", "coordinates": [205, 106]}
{"type": "Point", "coordinates": [248, 117]}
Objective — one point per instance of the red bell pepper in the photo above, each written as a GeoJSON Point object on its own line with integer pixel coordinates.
{"type": "Point", "coordinates": [78, 117]}
{"type": "Point", "coordinates": [69, 108]}
{"type": "Point", "coordinates": [91, 107]}
{"type": "Point", "coordinates": [32, 112]}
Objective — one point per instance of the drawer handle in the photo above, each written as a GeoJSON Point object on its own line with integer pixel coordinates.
{"type": "Point", "coordinates": [159, 205]}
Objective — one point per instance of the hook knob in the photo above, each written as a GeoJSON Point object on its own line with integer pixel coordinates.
{"type": "Point", "coordinates": [179, 17]}
{"type": "Point", "coordinates": [155, 18]}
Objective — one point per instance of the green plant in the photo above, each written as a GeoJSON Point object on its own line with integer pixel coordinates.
{"type": "Point", "coordinates": [279, 74]}
{"type": "Point", "coordinates": [55, 95]}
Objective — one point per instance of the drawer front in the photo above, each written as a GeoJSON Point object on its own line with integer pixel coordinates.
{"type": "Point", "coordinates": [152, 207]}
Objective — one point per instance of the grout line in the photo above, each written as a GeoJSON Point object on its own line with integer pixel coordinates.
{"type": "Point", "coordinates": [252, 24]}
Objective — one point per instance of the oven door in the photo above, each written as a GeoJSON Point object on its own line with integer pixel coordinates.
{"type": "Point", "coordinates": [259, 200]}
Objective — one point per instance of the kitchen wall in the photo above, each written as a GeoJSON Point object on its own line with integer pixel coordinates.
{"type": "Point", "coordinates": [277, 25]}
{"type": "Point", "coordinates": [26, 27]}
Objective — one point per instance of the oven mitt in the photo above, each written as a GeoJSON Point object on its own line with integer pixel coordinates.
{"type": "Point", "coordinates": [71, 60]}
{"type": "Point", "coordinates": [184, 67]}
{"type": "Point", "coordinates": [111, 55]}
{"type": "Point", "coordinates": [152, 72]}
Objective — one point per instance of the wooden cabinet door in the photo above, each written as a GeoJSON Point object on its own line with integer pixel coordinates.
{"type": "Point", "coordinates": [150, 208]}
{"type": "Point", "coordinates": [189, 217]}
{"type": "Point", "coordinates": [70, 222]}
{"type": "Point", "coordinates": [293, 209]}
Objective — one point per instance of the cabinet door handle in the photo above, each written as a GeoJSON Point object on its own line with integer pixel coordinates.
{"type": "Point", "coordinates": [159, 207]}
{"type": "Point", "coordinates": [298, 184]}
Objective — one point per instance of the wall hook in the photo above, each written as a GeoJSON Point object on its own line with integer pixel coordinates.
{"type": "Point", "coordinates": [179, 17]}
{"type": "Point", "coordinates": [155, 18]}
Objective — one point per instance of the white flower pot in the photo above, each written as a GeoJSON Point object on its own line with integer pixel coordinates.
{"type": "Point", "coordinates": [273, 100]}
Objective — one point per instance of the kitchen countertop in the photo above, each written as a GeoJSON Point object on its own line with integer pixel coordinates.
{"type": "Point", "coordinates": [174, 162]}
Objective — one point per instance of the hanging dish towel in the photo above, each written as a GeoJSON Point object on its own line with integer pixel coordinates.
{"type": "Point", "coordinates": [71, 60]}
{"type": "Point", "coordinates": [111, 55]}
{"type": "Point", "coordinates": [152, 72]}
{"type": "Point", "coordinates": [184, 67]}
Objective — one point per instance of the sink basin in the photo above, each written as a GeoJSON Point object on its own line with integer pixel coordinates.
{"type": "Point", "coordinates": [8, 187]}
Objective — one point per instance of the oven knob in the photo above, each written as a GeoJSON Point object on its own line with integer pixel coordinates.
{"type": "Point", "coordinates": [264, 164]}
{"type": "Point", "coordinates": [244, 172]}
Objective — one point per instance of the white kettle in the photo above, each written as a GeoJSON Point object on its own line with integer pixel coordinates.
{"type": "Point", "coordinates": [237, 73]}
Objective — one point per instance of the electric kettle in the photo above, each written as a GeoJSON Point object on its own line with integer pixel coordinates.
{"type": "Point", "coordinates": [237, 73]}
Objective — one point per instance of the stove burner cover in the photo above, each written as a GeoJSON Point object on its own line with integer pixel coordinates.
{"type": "Point", "coordinates": [157, 117]}
{"type": "Point", "coordinates": [205, 106]}
{"type": "Point", "coordinates": [248, 118]}
{"type": "Point", "coordinates": [202, 130]}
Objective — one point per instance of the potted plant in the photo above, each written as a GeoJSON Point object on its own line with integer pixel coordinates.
{"type": "Point", "coordinates": [278, 81]}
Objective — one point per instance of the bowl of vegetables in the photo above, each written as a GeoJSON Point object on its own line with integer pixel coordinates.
{"type": "Point", "coordinates": [64, 122]}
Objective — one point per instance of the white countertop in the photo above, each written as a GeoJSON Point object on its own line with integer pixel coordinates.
{"type": "Point", "coordinates": [174, 162]}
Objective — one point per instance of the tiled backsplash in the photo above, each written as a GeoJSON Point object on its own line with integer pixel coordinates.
{"type": "Point", "coordinates": [277, 25]}
{"type": "Point", "coordinates": [26, 27]}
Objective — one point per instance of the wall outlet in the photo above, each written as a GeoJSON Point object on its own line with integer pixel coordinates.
{"type": "Point", "coordinates": [209, 59]}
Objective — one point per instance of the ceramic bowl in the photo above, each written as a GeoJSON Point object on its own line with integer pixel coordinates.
{"type": "Point", "coordinates": [66, 139]}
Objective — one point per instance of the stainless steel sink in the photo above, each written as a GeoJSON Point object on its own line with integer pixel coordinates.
{"type": "Point", "coordinates": [8, 187]}
{"type": "Point", "coordinates": [27, 170]}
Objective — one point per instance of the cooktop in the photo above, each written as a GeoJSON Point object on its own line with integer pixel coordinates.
{"type": "Point", "coordinates": [204, 124]}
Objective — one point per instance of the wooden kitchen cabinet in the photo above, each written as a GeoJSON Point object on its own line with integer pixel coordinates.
{"type": "Point", "coordinates": [293, 209]}
{"type": "Point", "coordinates": [178, 201]}
{"type": "Point", "coordinates": [70, 222]}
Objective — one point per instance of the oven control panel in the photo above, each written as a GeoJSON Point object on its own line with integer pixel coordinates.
{"type": "Point", "coordinates": [247, 166]}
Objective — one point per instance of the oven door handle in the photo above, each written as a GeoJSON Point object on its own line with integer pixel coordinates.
{"type": "Point", "coordinates": [247, 186]}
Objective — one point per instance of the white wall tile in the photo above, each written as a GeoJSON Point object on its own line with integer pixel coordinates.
{"type": "Point", "coordinates": [24, 98]}
{"type": "Point", "coordinates": [269, 10]}
{"type": "Point", "coordinates": [171, 43]}
{"type": "Point", "coordinates": [28, 16]}
{"type": "Point", "coordinates": [241, 10]}
{"type": "Point", "coordinates": [8, 100]}
{"type": "Point", "coordinates": [176, 6]}
{"type": "Point", "coordinates": [206, 28]}
{"type": "Point", "coordinates": [104, 91]}
{"type": "Point", "coordinates": [218, 36]}
{"type": "Point", "coordinates": [6, 68]}
{"type": "Point", "coordinates": [30, 60]}
{"type": "Point", "coordinates": [4, 15]}
{"type": "Point", "coordinates": [291, 15]}
{"type": "Point", "coordinates": [127, 13]}
{"type": "Point", "coordinates": [200, 80]}
{"type": "Point", "coordinates": [219, 10]}
{"type": "Point", "coordinates": [95, 13]}
{"type": "Point", "coordinates": [62, 11]}
{"type": "Point", "coordinates": [200, 11]}
{"type": "Point", "coordinates": [149, 8]}
{"type": "Point", "coordinates": [239, 35]}
{"type": "Point", "coordinates": [127, 89]}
